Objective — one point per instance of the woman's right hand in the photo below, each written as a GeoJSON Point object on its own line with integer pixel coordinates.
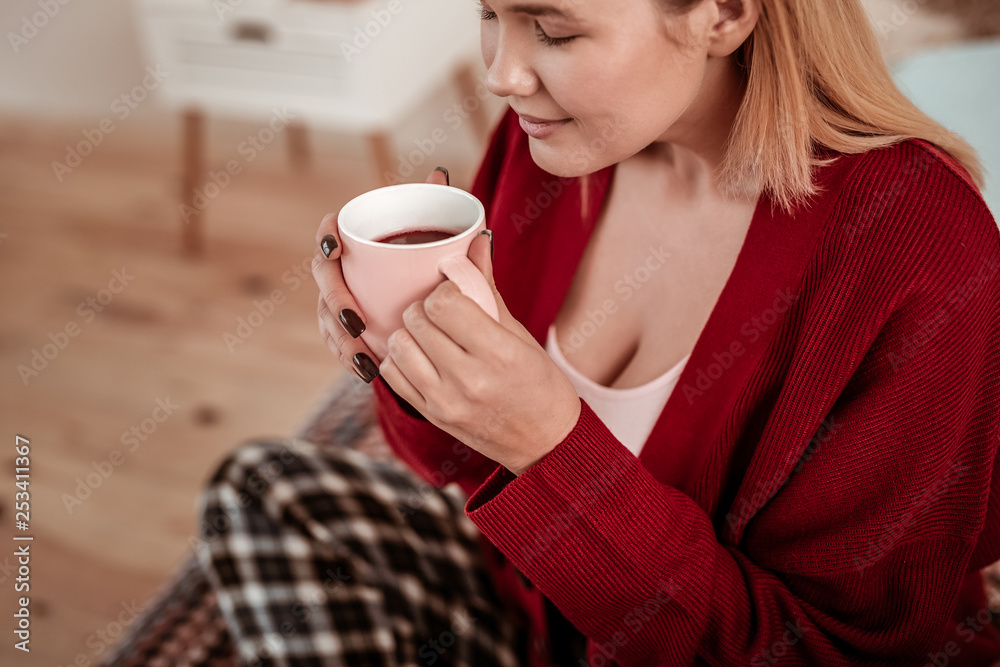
{"type": "Point", "coordinates": [341, 321]}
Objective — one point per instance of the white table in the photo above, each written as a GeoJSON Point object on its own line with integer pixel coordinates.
{"type": "Point", "coordinates": [354, 67]}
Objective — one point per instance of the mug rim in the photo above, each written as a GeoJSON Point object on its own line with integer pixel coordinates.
{"type": "Point", "coordinates": [401, 246]}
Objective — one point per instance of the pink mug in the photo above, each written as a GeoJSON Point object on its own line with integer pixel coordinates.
{"type": "Point", "coordinates": [385, 278]}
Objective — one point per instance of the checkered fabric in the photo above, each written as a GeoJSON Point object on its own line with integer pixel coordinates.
{"type": "Point", "coordinates": [323, 556]}
{"type": "Point", "coordinates": [181, 626]}
{"type": "Point", "coordinates": [324, 549]}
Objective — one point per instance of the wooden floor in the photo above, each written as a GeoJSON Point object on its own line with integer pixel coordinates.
{"type": "Point", "coordinates": [159, 340]}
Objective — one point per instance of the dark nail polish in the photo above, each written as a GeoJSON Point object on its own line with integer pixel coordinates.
{"type": "Point", "coordinates": [489, 232]}
{"type": "Point", "coordinates": [358, 373]}
{"type": "Point", "coordinates": [369, 371]}
{"type": "Point", "coordinates": [328, 244]}
{"type": "Point", "coordinates": [352, 323]}
{"type": "Point", "coordinates": [447, 180]}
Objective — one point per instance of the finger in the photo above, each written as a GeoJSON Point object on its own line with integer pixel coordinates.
{"type": "Point", "coordinates": [439, 176]}
{"type": "Point", "coordinates": [481, 255]}
{"type": "Point", "coordinates": [438, 348]}
{"type": "Point", "coordinates": [411, 359]}
{"type": "Point", "coordinates": [343, 346]}
{"type": "Point", "coordinates": [396, 379]}
{"type": "Point", "coordinates": [327, 236]}
{"type": "Point", "coordinates": [462, 322]}
{"type": "Point", "coordinates": [329, 277]}
{"type": "Point", "coordinates": [326, 325]}
{"type": "Point", "coordinates": [332, 345]}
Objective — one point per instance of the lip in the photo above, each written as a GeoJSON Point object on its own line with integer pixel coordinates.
{"type": "Point", "coordinates": [535, 119]}
{"type": "Point", "coordinates": [539, 128]}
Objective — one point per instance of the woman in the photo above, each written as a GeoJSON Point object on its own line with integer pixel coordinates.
{"type": "Point", "coordinates": [742, 406]}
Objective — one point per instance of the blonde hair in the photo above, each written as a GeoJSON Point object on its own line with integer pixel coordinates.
{"type": "Point", "coordinates": [815, 76]}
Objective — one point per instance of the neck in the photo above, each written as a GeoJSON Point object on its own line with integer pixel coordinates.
{"type": "Point", "coordinates": [694, 146]}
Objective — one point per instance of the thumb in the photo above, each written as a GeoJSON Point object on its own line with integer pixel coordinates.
{"type": "Point", "coordinates": [439, 176]}
{"type": "Point", "coordinates": [480, 254]}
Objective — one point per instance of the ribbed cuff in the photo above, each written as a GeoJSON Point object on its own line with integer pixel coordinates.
{"type": "Point", "coordinates": [580, 469]}
{"type": "Point", "coordinates": [556, 521]}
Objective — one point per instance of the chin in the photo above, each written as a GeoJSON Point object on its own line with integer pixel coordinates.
{"type": "Point", "coordinates": [563, 163]}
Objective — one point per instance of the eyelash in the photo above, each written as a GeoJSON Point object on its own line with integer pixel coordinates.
{"type": "Point", "coordinates": [487, 15]}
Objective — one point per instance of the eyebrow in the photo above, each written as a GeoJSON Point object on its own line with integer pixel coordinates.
{"type": "Point", "coordinates": [540, 10]}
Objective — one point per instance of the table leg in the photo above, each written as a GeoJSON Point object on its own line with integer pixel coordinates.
{"type": "Point", "coordinates": [298, 146]}
{"type": "Point", "coordinates": [192, 232]}
{"type": "Point", "coordinates": [379, 142]}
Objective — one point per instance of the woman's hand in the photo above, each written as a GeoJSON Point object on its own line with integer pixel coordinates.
{"type": "Point", "coordinates": [341, 320]}
{"type": "Point", "coordinates": [489, 384]}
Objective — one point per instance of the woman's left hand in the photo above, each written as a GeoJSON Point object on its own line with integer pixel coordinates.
{"type": "Point", "coordinates": [489, 384]}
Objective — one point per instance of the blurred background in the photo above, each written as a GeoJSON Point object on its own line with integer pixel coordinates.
{"type": "Point", "coordinates": [164, 165]}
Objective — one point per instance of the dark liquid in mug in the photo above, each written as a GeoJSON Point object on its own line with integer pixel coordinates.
{"type": "Point", "coordinates": [414, 236]}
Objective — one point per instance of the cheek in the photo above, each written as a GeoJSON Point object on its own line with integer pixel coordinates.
{"type": "Point", "coordinates": [615, 95]}
{"type": "Point", "coordinates": [616, 115]}
{"type": "Point", "coordinates": [621, 102]}
{"type": "Point", "coordinates": [647, 97]}
{"type": "Point", "coordinates": [603, 127]}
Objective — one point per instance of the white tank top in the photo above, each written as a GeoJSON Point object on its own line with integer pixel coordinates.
{"type": "Point", "coordinates": [629, 413]}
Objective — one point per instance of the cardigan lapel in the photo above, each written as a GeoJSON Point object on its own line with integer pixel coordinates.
{"type": "Point", "coordinates": [692, 445]}
{"type": "Point", "coordinates": [757, 471]}
{"type": "Point", "coordinates": [543, 229]}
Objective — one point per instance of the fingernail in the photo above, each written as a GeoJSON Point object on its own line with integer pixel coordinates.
{"type": "Point", "coordinates": [447, 180]}
{"type": "Point", "coordinates": [489, 232]}
{"type": "Point", "coordinates": [358, 373]}
{"type": "Point", "coordinates": [328, 244]}
{"type": "Point", "coordinates": [352, 323]}
{"type": "Point", "coordinates": [367, 367]}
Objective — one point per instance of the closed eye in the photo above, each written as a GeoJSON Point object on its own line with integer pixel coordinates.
{"type": "Point", "coordinates": [488, 15]}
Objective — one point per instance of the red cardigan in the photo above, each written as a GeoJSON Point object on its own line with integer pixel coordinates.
{"type": "Point", "coordinates": [819, 488]}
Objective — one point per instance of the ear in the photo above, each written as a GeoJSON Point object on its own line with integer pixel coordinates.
{"type": "Point", "coordinates": [734, 21]}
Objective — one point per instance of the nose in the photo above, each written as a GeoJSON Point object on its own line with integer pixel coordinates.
{"type": "Point", "coordinates": [508, 71]}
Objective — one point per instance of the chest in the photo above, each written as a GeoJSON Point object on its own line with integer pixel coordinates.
{"type": "Point", "coordinates": [648, 280]}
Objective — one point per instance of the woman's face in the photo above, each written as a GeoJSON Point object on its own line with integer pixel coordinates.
{"type": "Point", "coordinates": [623, 80]}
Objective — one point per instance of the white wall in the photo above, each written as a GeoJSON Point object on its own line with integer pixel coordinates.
{"type": "Point", "coordinates": [84, 56]}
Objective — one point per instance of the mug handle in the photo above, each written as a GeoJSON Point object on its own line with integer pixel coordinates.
{"type": "Point", "coordinates": [471, 282]}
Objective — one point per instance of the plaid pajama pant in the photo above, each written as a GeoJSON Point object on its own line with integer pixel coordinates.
{"type": "Point", "coordinates": [326, 557]}
{"type": "Point", "coordinates": [325, 549]}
